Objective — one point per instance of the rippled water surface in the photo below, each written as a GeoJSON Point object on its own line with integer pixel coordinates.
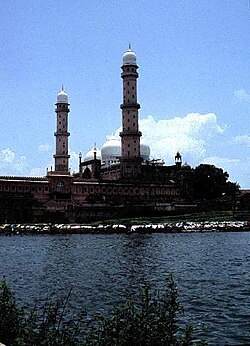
{"type": "Point", "coordinates": [212, 271]}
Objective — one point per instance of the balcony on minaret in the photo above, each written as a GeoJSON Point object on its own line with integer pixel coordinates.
{"type": "Point", "coordinates": [129, 72]}
{"type": "Point", "coordinates": [125, 133]}
{"type": "Point", "coordinates": [61, 132]}
{"type": "Point", "coordinates": [130, 105]}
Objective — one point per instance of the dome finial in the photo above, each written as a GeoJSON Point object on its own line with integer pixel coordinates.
{"type": "Point", "coordinates": [62, 96]}
{"type": "Point", "coordinates": [129, 57]}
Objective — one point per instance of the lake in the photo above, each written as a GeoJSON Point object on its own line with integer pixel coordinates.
{"type": "Point", "coordinates": [212, 271]}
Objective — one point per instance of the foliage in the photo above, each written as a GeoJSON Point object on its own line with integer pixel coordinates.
{"type": "Point", "coordinates": [10, 315]}
{"type": "Point", "coordinates": [211, 182]}
{"type": "Point", "coordinates": [49, 325]}
{"type": "Point", "coordinates": [150, 320]}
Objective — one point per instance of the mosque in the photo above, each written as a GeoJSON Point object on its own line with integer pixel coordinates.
{"type": "Point", "coordinates": [117, 180]}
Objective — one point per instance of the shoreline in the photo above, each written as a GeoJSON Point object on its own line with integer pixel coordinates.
{"type": "Point", "coordinates": [144, 228]}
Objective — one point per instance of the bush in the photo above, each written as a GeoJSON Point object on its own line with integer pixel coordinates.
{"type": "Point", "coordinates": [10, 315]}
{"type": "Point", "coordinates": [150, 320]}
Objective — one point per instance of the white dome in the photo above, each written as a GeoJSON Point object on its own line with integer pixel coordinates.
{"type": "Point", "coordinates": [90, 154]}
{"type": "Point", "coordinates": [111, 149]}
{"type": "Point", "coordinates": [62, 97]}
{"type": "Point", "coordinates": [186, 166]}
{"type": "Point", "coordinates": [145, 151]}
{"type": "Point", "coordinates": [129, 57]}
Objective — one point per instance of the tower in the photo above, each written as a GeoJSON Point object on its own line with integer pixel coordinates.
{"type": "Point", "coordinates": [178, 160]}
{"type": "Point", "coordinates": [130, 135]}
{"type": "Point", "coordinates": [61, 156]}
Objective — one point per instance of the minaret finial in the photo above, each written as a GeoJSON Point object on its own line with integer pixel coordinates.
{"type": "Point", "coordinates": [129, 45]}
{"type": "Point", "coordinates": [62, 88]}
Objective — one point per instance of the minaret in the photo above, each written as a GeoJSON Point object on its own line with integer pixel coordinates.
{"type": "Point", "coordinates": [61, 156]}
{"type": "Point", "coordinates": [130, 135]}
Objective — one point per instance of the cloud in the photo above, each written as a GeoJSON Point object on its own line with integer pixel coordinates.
{"type": "Point", "coordinates": [220, 161]}
{"type": "Point", "coordinates": [20, 164]}
{"type": "Point", "coordinates": [241, 95]}
{"type": "Point", "coordinates": [10, 164]}
{"type": "Point", "coordinates": [243, 139]}
{"type": "Point", "coordinates": [7, 155]}
{"type": "Point", "coordinates": [188, 134]}
{"type": "Point", "coordinates": [74, 160]}
{"type": "Point", "coordinates": [237, 169]}
{"type": "Point", "coordinates": [44, 147]}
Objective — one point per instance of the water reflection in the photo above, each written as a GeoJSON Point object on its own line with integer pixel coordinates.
{"type": "Point", "coordinates": [212, 271]}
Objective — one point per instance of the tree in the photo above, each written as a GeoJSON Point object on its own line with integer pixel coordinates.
{"type": "Point", "coordinates": [210, 182]}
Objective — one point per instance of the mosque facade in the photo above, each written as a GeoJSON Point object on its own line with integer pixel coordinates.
{"type": "Point", "coordinates": [117, 180]}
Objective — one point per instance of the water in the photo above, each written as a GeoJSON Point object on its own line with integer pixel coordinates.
{"type": "Point", "coordinates": [212, 271]}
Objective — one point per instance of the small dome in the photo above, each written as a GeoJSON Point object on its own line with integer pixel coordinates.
{"type": "Point", "coordinates": [62, 97]}
{"type": "Point", "coordinates": [111, 149]}
{"type": "Point", "coordinates": [186, 166]}
{"type": "Point", "coordinates": [145, 151]}
{"type": "Point", "coordinates": [129, 57]}
{"type": "Point", "coordinates": [90, 154]}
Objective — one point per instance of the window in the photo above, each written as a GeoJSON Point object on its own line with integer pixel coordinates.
{"type": "Point", "coordinates": [127, 83]}
{"type": "Point", "coordinates": [60, 187]}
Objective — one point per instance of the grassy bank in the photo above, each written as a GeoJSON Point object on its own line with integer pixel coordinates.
{"type": "Point", "coordinates": [194, 217]}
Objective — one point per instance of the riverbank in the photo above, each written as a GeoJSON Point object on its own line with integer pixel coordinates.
{"type": "Point", "coordinates": [166, 227]}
